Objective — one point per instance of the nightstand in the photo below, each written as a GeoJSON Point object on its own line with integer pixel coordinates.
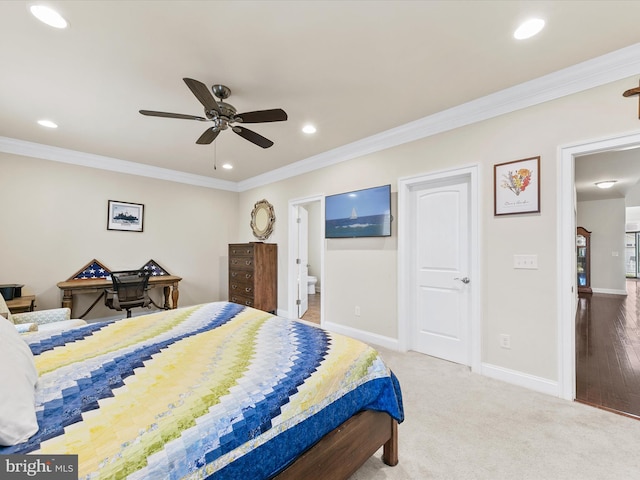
{"type": "Point", "coordinates": [25, 303]}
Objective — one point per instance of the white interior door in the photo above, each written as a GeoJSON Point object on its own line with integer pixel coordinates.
{"type": "Point", "coordinates": [303, 260]}
{"type": "Point", "coordinates": [442, 326]}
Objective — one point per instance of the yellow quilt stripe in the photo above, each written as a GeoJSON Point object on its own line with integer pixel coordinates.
{"type": "Point", "coordinates": [162, 386]}
{"type": "Point", "coordinates": [115, 336]}
{"type": "Point", "coordinates": [336, 372]}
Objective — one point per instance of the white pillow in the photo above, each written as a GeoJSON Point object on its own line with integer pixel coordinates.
{"type": "Point", "coordinates": [18, 377]}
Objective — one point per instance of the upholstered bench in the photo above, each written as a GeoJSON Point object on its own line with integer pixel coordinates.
{"type": "Point", "coordinates": [41, 320]}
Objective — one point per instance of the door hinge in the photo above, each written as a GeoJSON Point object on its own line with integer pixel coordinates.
{"type": "Point", "coordinates": [298, 220]}
{"type": "Point", "coordinates": [298, 262]}
{"type": "Point", "coordinates": [298, 302]}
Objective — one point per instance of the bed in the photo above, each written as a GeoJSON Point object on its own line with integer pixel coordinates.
{"type": "Point", "coordinates": [213, 391]}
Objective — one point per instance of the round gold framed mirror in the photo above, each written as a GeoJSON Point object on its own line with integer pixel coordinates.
{"type": "Point", "coordinates": [262, 220]}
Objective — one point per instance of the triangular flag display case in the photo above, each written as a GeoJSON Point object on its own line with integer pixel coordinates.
{"type": "Point", "coordinates": [93, 269]}
{"type": "Point", "coordinates": [154, 269]}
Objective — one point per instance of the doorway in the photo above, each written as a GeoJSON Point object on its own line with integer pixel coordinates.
{"type": "Point", "coordinates": [306, 258]}
{"type": "Point", "coordinates": [631, 246]}
{"type": "Point", "coordinates": [567, 288]}
{"type": "Point", "coordinates": [438, 286]}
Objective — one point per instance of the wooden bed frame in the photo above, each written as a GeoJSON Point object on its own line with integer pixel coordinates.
{"type": "Point", "coordinates": [341, 452]}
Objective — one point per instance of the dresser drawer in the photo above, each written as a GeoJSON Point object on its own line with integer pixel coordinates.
{"type": "Point", "coordinates": [241, 250]}
{"type": "Point", "coordinates": [237, 275]}
{"type": "Point", "coordinates": [237, 288]}
{"type": "Point", "coordinates": [242, 300]}
{"type": "Point", "coordinates": [241, 263]}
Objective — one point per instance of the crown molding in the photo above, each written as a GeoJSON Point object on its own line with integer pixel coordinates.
{"type": "Point", "coordinates": [63, 155]}
{"type": "Point", "coordinates": [592, 73]}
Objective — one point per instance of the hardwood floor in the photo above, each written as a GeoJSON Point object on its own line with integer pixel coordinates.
{"type": "Point", "coordinates": [608, 351]}
{"type": "Point", "coordinates": [313, 313]}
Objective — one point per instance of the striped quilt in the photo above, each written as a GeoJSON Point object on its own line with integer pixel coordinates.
{"type": "Point", "coordinates": [212, 391]}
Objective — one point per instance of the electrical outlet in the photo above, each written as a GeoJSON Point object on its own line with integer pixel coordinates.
{"type": "Point", "coordinates": [505, 341]}
{"type": "Point", "coordinates": [357, 310]}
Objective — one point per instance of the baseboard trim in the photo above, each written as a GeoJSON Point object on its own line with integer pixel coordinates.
{"type": "Point", "coordinates": [366, 337]}
{"type": "Point", "coordinates": [539, 384]}
{"type": "Point", "coordinates": [609, 291]}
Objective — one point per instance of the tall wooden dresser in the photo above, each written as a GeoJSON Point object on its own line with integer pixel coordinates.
{"type": "Point", "coordinates": [253, 275]}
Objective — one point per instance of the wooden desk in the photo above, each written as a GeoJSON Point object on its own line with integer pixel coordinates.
{"type": "Point", "coordinates": [97, 285]}
{"type": "Point", "coordinates": [25, 303]}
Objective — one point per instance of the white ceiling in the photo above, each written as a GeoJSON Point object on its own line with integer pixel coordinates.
{"type": "Point", "coordinates": [621, 166]}
{"type": "Point", "coordinates": [353, 68]}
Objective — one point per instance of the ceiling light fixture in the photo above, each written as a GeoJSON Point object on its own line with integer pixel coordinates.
{"type": "Point", "coordinates": [309, 129]}
{"type": "Point", "coordinates": [528, 29]}
{"type": "Point", "coordinates": [47, 123]}
{"type": "Point", "coordinates": [49, 16]}
{"type": "Point", "coordinates": [228, 166]}
{"type": "Point", "coordinates": [606, 184]}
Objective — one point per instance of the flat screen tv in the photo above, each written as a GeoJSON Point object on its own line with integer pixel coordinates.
{"type": "Point", "coordinates": [361, 213]}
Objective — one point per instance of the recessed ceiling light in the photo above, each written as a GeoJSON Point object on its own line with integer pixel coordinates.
{"type": "Point", "coordinates": [47, 123]}
{"type": "Point", "coordinates": [309, 129]}
{"type": "Point", "coordinates": [49, 16]}
{"type": "Point", "coordinates": [228, 166]}
{"type": "Point", "coordinates": [606, 184]}
{"type": "Point", "coordinates": [529, 28]}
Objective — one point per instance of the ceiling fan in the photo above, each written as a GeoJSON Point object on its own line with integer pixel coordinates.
{"type": "Point", "coordinates": [223, 115]}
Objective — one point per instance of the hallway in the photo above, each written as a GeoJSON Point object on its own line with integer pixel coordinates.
{"type": "Point", "coordinates": [608, 351]}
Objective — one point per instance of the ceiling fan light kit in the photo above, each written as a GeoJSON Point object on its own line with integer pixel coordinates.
{"type": "Point", "coordinates": [223, 115]}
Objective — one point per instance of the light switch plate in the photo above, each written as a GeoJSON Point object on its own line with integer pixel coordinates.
{"type": "Point", "coordinates": [528, 262]}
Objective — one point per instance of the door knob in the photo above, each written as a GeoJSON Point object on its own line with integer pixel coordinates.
{"type": "Point", "coordinates": [463, 279]}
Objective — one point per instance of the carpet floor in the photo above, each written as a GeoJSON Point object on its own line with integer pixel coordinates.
{"type": "Point", "coordinates": [464, 426]}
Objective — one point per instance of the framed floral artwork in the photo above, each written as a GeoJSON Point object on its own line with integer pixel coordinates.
{"type": "Point", "coordinates": [516, 187]}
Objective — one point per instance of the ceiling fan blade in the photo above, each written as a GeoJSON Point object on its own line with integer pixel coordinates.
{"type": "Point", "coordinates": [261, 116]}
{"type": "Point", "coordinates": [208, 136]}
{"type": "Point", "coordinates": [151, 113]}
{"type": "Point", "coordinates": [253, 137]}
{"type": "Point", "coordinates": [202, 93]}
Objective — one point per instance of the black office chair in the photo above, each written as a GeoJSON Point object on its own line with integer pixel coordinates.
{"type": "Point", "coordinates": [130, 290]}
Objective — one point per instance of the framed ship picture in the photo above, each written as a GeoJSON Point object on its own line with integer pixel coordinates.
{"type": "Point", "coordinates": [125, 216]}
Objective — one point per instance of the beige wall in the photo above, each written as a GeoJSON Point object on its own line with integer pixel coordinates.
{"type": "Point", "coordinates": [54, 222]}
{"type": "Point", "coordinates": [55, 214]}
{"type": "Point", "coordinates": [521, 303]}
{"type": "Point", "coordinates": [605, 219]}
